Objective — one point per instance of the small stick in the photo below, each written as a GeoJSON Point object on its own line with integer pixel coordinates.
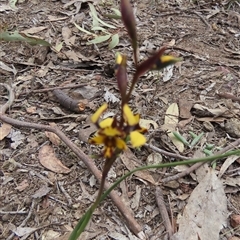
{"type": "Point", "coordinates": [24, 222]}
{"type": "Point", "coordinates": [67, 102]}
{"type": "Point", "coordinates": [54, 88]}
{"type": "Point", "coordinates": [228, 96]}
{"type": "Point", "coordinates": [13, 212]}
{"type": "Point", "coordinates": [165, 152]}
{"type": "Point", "coordinates": [202, 18]}
{"type": "Point", "coordinates": [10, 101]}
{"type": "Point", "coordinates": [163, 211]}
{"type": "Point", "coordinates": [60, 184]}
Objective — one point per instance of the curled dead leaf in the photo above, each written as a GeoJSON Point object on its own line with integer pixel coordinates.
{"type": "Point", "coordinates": [4, 130]}
{"type": "Point", "coordinates": [53, 138]}
{"type": "Point", "coordinates": [48, 159]}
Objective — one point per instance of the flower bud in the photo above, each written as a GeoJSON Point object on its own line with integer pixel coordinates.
{"type": "Point", "coordinates": [129, 21]}
{"type": "Point", "coordinates": [121, 75]}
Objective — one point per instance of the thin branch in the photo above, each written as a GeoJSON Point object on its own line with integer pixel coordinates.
{"type": "Point", "coordinates": [69, 199]}
{"type": "Point", "coordinates": [163, 211]}
{"type": "Point", "coordinates": [10, 101]}
{"type": "Point", "coordinates": [165, 152]}
{"type": "Point", "coordinates": [54, 88]}
{"type": "Point", "coordinates": [24, 222]}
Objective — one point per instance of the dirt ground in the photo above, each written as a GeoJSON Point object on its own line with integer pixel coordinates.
{"type": "Point", "coordinates": [43, 201]}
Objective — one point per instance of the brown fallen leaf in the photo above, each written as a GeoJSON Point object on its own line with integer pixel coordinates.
{"type": "Point", "coordinates": [184, 108]}
{"type": "Point", "coordinates": [206, 211]}
{"type": "Point", "coordinates": [171, 121]}
{"type": "Point", "coordinates": [235, 220]}
{"type": "Point", "coordinates": [52, 136]}
{"type": "Point", "coordinates": [4, 130]}
{"type": "Point", "coordinates": [48, 159]}
{"type": "Point", "coordinates": [128, 159]}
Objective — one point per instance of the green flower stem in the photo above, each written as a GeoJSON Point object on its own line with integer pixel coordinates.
{"type": "Point", "coordinates": [86, 217]}
{"type": "Point", "coordinates": [135, 79]}
{"type": "Point", "coordinates": [172, 164]}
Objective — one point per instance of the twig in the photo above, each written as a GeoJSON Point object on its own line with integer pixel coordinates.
{"type": "Point", "coordinates": [131, 222]}
{"type": "Point", "coordinates": [10, 101]}
{"type": "Point", "coordinates": [197, 165]}
{"type": "Point", "coordinates": [54, 88]}
{"type": "Point", "coordinates": [163, 211]}
{"type": "Point", "coordinates": [202, 18]}
{"type": "Point", "coordinates": [24, 222]}
{"type": "Point", "coordinates": [57, 200]}
{"type": "Point", "coordinates": [228, 96]}
{"type": "Point", "coordinates": [35, 173]}
{"type": "Point", "coordinates": [68, 102]}
{"type": "Point", "coordinates": [13, 212]}
{"type": "Point", "coordinates": [165, 152]}
{"type": "Point", "coordinates": [60, 184]}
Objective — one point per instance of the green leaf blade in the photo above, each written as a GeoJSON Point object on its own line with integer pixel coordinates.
{"type": "Point", "coordinates": [99, 39]}
{"type": "Point", "coordinates": [114, 42]}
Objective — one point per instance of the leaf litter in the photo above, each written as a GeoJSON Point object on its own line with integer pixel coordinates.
{"type": "Point", "coordinates": [206, 211]}
{"type": "Point", "coordinates": [210, 64]}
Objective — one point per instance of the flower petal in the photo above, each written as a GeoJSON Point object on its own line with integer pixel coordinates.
{"type": "Point", "coordinates": [129, 116]}
{"type": "Point", "coordinates": [107, 122]}
{"type": "Point", "coordinates": [165, 61]}
{"type": "Point", "coordinates": [120, 144]}
{"type": "Point", "coordinates": [97, 140]}
{"type": "Point", "coordinates": [137, 139]}
{"type": "Point", "coordinates": [97, 114]}
{"type": "Point", "coordinates": [108, 151]}
{"type": "Point", "coordinates": [110, 132]}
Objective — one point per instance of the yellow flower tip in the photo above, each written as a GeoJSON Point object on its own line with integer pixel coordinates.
{"type": "Point", "coordinates": [97, 114]}
{"type": "Point", "coordinates": [98, 139]}
{"type": "Point", "coordinates": [169, 59]}
{"type": "Point", "coordinates": [130, 118]}
{"type": "Point", "coordinates": [137, 139]}
{"type": "Point", "coordinates": [118, 58]}
{"type": "Point", "coordinates": [107, 122]}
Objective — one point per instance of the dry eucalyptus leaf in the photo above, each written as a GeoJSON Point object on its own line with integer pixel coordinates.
{"type": "Point", "coordinates": [185, 106]}
{"type": "Point", "coordinates": [86, 131]}
{"type": "Point", "coordinates": [206, 211]}
{"type": "Point", "coordinates": [5, 129]}
{"type": "Point", "coordinates": [226, 164]}
{"type": "Point", "coordinates": [53, 138]}
{"type": "Point", "coordinates": [171, 121]}
{"type": "Point", "coordinates": [48, 159]}
{"type": "Point", "coordinates": [43, 191]}
{"type": "Point", "coordinates": [128, 159]}
{"type": "Point", "coordinates": [147, 124]}
{"type": "Point", "coordinates": [153, 159]}
{"type": "Point", "coordinates": [34, 30]}
{"type": "Point", "coordinates": [21, 231]}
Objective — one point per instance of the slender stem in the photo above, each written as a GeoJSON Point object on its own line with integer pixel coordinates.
{"type": "Point", "coordinates": [135, 78]}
